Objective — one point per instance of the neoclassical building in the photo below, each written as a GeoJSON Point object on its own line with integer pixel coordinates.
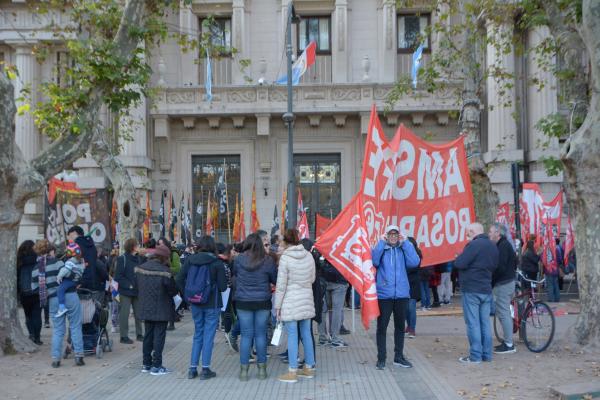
{"type": "Point", "coordinates": [183, 142]}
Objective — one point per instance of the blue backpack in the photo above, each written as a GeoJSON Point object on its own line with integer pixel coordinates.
{"type": "Point", "coordinates": [198, 286]}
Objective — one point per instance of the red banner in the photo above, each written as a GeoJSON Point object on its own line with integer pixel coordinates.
{"type": "Point", "coordinates": [321, 224]}
{"type": "Point", "coordinates": [424, 189]}
{"type": "Point", "coordinates": [569, 241]}
{"type": "Point", "coordinates": [550, 230]}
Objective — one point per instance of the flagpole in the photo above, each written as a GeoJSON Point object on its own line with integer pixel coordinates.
{"type": "Point", "coordinates": [227, 200]}
{"type": "Point", "coordinates": [353, 313]}
{"type": "Point", "coordinates": [288, 117]}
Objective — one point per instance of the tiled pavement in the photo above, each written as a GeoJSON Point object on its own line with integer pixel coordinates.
{"type": "Point", "coordinates": [347, 374]}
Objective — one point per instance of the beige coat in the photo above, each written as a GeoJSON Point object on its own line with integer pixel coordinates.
{"type": "Point", "coordinates": [295, 276]}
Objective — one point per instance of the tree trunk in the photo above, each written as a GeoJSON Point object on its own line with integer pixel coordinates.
{"type": "Point", "coordinates": [131, 216]}
{"type": "Point", "coordinates": [12, 338]}
{"type": "Point", "coordinates": [582, 178]}
{"type": "Point", "coordinates": [21, 180]}
{"type": "Point", "coordinates": [486, 199]}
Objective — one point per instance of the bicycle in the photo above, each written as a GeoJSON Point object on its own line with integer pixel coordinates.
{"type": "Point", "coordinates": [533, 319]}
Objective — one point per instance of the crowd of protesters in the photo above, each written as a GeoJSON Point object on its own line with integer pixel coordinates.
{"type": "Point", "coordinates": [266, 284]}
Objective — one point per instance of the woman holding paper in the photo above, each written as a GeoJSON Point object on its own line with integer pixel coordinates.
{"type": "Point", "coordinates": [294, 303]}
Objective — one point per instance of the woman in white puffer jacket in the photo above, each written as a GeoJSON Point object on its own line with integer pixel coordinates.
{"type": "Point", "coordinates": [294, 303]}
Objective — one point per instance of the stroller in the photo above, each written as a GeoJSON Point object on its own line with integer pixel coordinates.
{"type": "Point", "coordinates": [94, 316]}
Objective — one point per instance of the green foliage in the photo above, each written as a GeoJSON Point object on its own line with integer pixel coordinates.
{"type": "Point", "coordinates": [94, 61]}
{"type": "Point", "coordinates": [552, 165]}
{"type": "Point", "coordinates": [465, 33]}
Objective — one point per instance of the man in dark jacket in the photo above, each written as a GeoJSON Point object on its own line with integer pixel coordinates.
{"type": "Point", "coordinates": [476, 265]}
{"type": "Point", "coordinates": [205, 315]}
{"type": "Point", "coordinates": [93, 277]}
{"type": "Point", "coordinates": [156, 288]}
{"type": "Point", "coordinates": [503, 283]}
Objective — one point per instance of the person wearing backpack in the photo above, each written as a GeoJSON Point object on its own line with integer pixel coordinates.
{"type": "Point", "coordinates": [203, 277]}
{"type": "Point", "coordinates": [29, 298]}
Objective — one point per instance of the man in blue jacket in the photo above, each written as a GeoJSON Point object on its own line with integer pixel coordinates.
{"type": "Point", "coordinates": [475, 266]}
{"type": "Point", "coordinates": [391, 257]}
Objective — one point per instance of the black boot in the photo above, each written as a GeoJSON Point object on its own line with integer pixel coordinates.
{"type": "Point", "coordinates": [79, 361]}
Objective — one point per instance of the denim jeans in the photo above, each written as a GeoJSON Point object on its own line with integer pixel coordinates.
{"type": "Point", "coordinates": [205, 327]}
{"type": "Point", "coordinates": [305, 327]}
{"type": "Point", "coordinates": [502, 297]}
{"type": "Point", "coordinates": [553, 289]}
{"type": "Point", "coordinates": [476, 310]}
{"type": "Point", "coordinates": [65, 285]}
{"type": "Point", "coordinates": [411, 315]}
{"type": "Point", "coordinates": [425, 294]}
{"type": "Point", "coordinates": [59, 325]}
{"type": "Point", "coordinates": [253, 325]}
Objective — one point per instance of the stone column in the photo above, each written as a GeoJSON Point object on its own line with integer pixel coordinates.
{"type": "Point", "coordinates": [26, 134]}
{"type": "Point", "coordinates": [339, 51]}
{"type": "Point", "coordinates": [502, 125]}
{"type": "Point", "coordinates": [540, 102]}
{"type": "Point", "coordinates": [239, 41]}
{"type": "Point", "coordinates": [188, 25]}
{"type": "Point", "coordinates": [387, 57]}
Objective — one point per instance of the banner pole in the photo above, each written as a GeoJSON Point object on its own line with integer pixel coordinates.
{"type": "Point", "coordinates": [353, 310]}
{"type": "Point", "coordinates": [227, 200]}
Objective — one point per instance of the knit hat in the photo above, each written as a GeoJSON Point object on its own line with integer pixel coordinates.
{"type": "Point", "coordinates": [160, 250]}
{"type": "Point", "coordinates": [73, 250]}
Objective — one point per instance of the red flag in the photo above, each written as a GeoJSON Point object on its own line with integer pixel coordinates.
{"type": "Point", "coordinates": [255, 225]}
{"type": "Point", "coordinates": [503, 213]}
{"type": "Point", "coordinates": [569, 240]}
{"type": "Point", "coordinates": [114, 218]}
{"type": "Point", "coordinates": [209, 224]}
{"type": "Point", "coordinates": [146, 235]}
{"type": "Point", "coordinates": [549, 230]}
{"type": "Point", "coordinates": [346, 246]}
{"type": "Point", "coordinates": [236, 221]}
{"type": "Point", "coordinates": [284, 212]}
{"type": "Point", "coordinates": [242, 221]}
{"type": "Point", "coordinates": [321, 224]}
{"type": "Point", "coordinates": [303, 227]}
{"type": "Point", "coordinates": [302, 224]}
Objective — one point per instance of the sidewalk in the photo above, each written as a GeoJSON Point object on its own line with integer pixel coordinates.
{"type": "Point", "coordinates": [347, 373]}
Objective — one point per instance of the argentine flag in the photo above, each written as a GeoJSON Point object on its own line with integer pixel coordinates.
{"type": "Point", "coordinates": [303, 62]}
{"type": "Point", "coordinates": [208, 81]}
{"type": "Point", "coordinates": [416, 64]}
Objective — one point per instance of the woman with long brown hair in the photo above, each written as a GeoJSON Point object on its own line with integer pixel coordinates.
{"type": "Point", "coordinates": [28, 296]}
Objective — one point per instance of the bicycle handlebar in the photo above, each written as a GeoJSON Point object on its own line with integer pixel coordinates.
{"type": "Point", "coordinates": [520, 273]}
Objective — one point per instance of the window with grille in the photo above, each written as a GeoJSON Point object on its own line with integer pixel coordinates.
{"type": "Point", "coordinates": [218, 177]}
{"type": "Point", "coordinates": [412, 30]}
{"type": "Point", "coordinates": [220, 34]}
{"type": "Point", "coordinates": [317, 29]}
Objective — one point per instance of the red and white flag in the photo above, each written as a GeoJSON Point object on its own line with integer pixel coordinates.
{"type": "Point", "coordinates": [424, 189]}
{"type": "Point", "coordinates": [302, 224]}
{"type": "Point", "coordinates": [306, 59]}
{"type": "Point", "coordinates": [569, 240]}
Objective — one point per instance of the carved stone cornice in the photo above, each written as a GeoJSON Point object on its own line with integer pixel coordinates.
{"type": "Point", "coordinates": [333, 98]}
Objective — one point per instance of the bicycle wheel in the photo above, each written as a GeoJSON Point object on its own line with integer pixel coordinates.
{"type": "Point", "coordinates": [538, 326]}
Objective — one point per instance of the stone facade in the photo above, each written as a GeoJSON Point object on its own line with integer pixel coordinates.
{"type": "Point", "coordinates": [332, 102]}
